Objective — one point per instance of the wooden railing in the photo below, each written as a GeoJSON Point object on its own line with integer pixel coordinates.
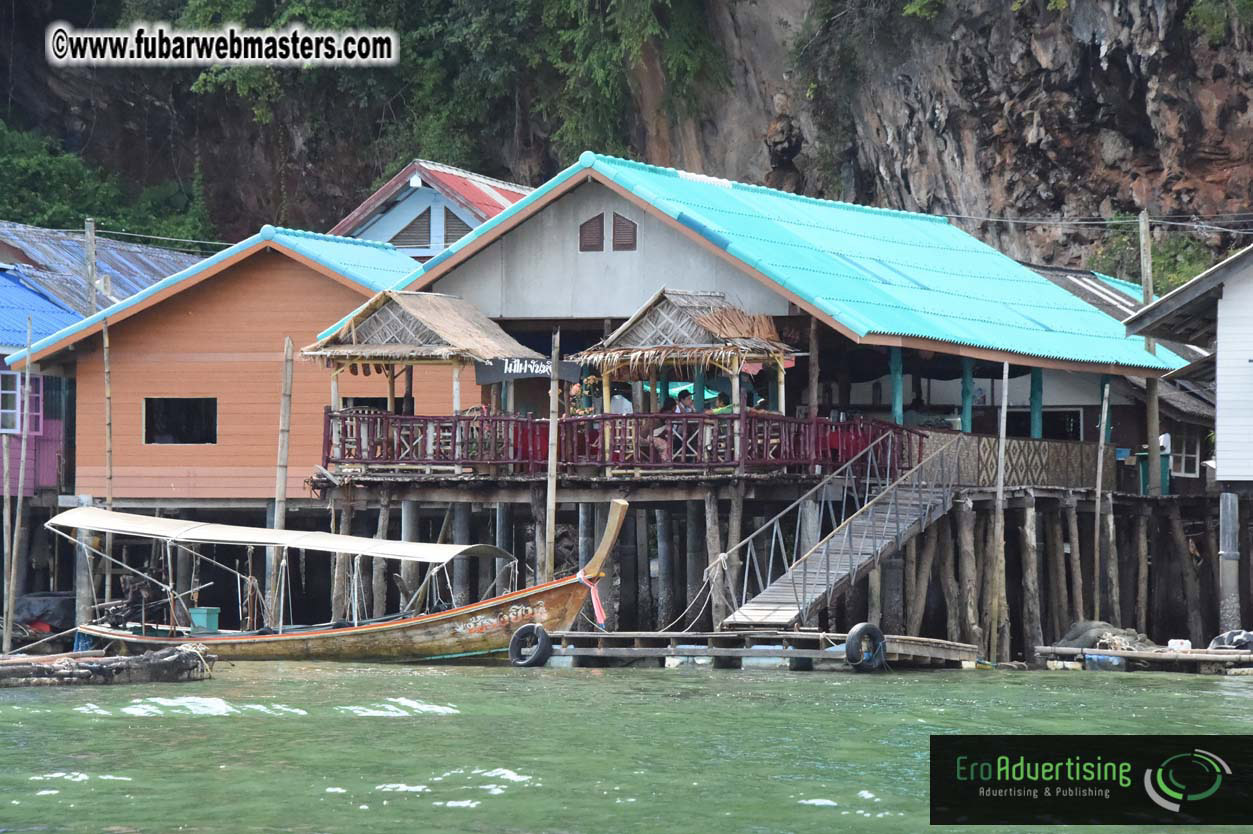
{"type": "Point", "coordinates": [362, 438]}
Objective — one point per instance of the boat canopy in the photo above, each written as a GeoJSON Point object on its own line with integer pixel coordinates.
{"type": "Point", "coordinates": [184, 531]}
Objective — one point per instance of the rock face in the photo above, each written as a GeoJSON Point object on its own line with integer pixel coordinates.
{"type": "Point", "coordinates": [1108, 105]}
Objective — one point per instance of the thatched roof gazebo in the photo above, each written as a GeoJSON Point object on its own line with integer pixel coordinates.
{"type": "Point", "coordinates": [691, 331]}
{"type": "Point", "coordinates": [394, 330]}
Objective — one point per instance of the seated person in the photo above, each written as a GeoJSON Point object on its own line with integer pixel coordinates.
{"type": "Point", "coordinates": [723, 405]}
{"type": "Point", "coordinates": [661, 434]}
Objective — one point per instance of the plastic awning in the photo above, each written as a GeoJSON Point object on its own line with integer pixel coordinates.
{"type": "Point", "coordinates": [198, 532]}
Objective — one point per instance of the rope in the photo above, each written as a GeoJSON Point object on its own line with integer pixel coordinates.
{"type": "Point", "coordinates": [198, 650]}
{"type": "Point", "coordinates": [699, 614]}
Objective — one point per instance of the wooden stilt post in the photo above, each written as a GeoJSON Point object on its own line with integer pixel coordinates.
{"type": "Point", "coordinates": [409, 571]}
{"type": "Point", "coordinates": [922, 580]}
{"type": "Point", "coordinates": [892, 585]}
{"type": "Point", "coordinates": [645, 617]}
{"type": "Point", "coordinates": [735, 524]}
{"type": "Point", "coordinates": [666, 610]}
{"type": "Point", "coordinates": [1111, 565]}
{"type": "Point", "coordinates": [108, 448]}
{"type": "Point", "coordinates": [713, 544]}
{"type": "Point", "coordinates": [948, 581]}
{"type": "Point", "coordinates": [1152, 415]}
{"type": "Point", "coordinates": [1059, 593]}
{"type": "Point", "coordinates": [1078, 611]}
{"type": "Point", "coordinates": [874, 595]}
{"type": "Point", "coordinates": [1191, 585]}
{"type": "Point", "coordinates": [695, 560]}
{"type": "Point", "coordinates": [1142, 572]}
{"type": "Point", "coordinates": [628, 585]}
{"type": "Point", "coordinates": [587, 540]}
{"type": "Point", "coordinates": [378, 573]}
{"type": "Point", "coordinates": [461, 567]}
{"type": "Point", "coordinates": [1037, 403]}
{"type": "Point", "coordinates": [1032, 630]}
{"type": "Point", "coordinates": [967, 573]}
{"type": "Point", "coordinates": [911, 577]}
{"type": "Point", "coordinates": [504, 540]}
{"type": "Point", "coordinates": [997, 647]}
{"type": "Point", "coordinates": [343, 563]}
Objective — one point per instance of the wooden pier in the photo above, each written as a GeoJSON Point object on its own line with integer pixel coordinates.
{"type": "Point", "coordinates": [1198, 661]}
{"type": "Point", "coordinates": [796, 650]}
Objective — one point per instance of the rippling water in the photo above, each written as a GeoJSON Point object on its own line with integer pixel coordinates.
{"type": "Point", "coordinates": [334, 748]}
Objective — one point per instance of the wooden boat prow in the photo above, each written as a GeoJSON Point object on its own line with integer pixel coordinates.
{"type": "Point", "coordinates": [479, 628]}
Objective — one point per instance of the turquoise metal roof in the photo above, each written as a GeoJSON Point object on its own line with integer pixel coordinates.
{"type": "Point", "coordinates": [373, 265]}
{"type": "Point", "coordinates": [876, 271]}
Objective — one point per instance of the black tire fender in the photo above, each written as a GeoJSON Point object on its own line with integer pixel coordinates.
{"type": "Point", "coordinates": [543, 648]}
{"type": "Point", "coordinates": [855, 653]}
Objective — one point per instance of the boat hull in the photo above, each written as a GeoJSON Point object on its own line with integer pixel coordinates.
{"type": "Point", "coordinates": [480, 628]}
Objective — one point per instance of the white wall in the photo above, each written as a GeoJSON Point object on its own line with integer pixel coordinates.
{"type": "Point", "coordinates": [1234, 425]}
{"type": "Point", "coordinates": [1061, 388]}
{"type": "Point", "coordinates": [536, 271]}
{"type": "Point", "coordinates": [401, 214]}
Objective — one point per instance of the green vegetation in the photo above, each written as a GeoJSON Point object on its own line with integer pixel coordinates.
{"type": "Point", "coordinates": [1177, 258]}
{"type": "Point", "coordinates": [471, 75]}
{"type": "Point", "coordinates": [1216, 18]}
{"type": "Point", "coordinates": [45, 186]}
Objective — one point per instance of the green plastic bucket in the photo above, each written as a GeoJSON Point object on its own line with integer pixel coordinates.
{"type": "Point", "coordinates": [204, 620]}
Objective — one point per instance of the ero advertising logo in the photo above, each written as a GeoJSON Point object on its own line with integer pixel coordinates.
{"type": "Point", "coordinates": [1090, 780]}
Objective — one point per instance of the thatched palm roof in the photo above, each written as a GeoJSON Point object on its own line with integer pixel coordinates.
{"type": "Point", "coordinates": [686, 328]}
{"type": "Point", "coordinates": [409, 327]}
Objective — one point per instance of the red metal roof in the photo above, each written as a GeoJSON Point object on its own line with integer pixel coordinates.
{"type": "Point", "coordinates": [482, 196]}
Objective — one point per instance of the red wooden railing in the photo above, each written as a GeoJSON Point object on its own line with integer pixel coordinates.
{"type": "Point", "coordinates": [696, 442]}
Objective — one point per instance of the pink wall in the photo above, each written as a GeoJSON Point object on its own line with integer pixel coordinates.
{"type": "Point", "coordinates": [41, 458]}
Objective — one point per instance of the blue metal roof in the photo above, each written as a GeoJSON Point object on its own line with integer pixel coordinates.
{"type": "Point", "coordinates": [373, 265]}
{"type": "Point", "coordinates": [877, 272]}
{"type": "Point", "coordinates": [20, 300]}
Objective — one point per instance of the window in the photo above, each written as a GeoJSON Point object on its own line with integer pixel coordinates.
{"type": "Point", "coordinates": [180, 420]}
{"type": "Point", "coordinates": [623, 234]}
{"type": "Point", "coordinates": [11, 403]}
{"type": "Point", "coordinates": [1185, 450]}
{"type": "Point", "coordinates": [417, 235]}
{"type": "Point", "coordinates": [592, 234]}
{"type": "Point", "coordinates": [1058, 424]}
{"type": "Point", "coordinates": [454, 228]}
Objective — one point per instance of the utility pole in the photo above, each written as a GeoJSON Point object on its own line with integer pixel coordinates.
{"type": "Point", "coordinates": [1153, 426]}
{"type": "Point", "coordinates": [89, 228]}
{"type": "Point", "coordinates": [545, 562]}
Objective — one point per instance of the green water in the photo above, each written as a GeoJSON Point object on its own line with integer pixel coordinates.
{"type": "Point", "coordinates": [338, 748]}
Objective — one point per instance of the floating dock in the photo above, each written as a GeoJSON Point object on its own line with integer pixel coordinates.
{"type": "Point", "coordinates": [795, 650]}
{"type": "Point", "coordinates": [1198, 661]}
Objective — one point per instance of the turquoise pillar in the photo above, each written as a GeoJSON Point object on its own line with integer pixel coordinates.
{"type": "Point", "coordinates": [698, 389]}
{"type": "Point", "coordinates": [1037, 403]}
{"type": "Point", "coordinates": [898, 385]}
{"type": "Point", "coordinates": [772, 392]}
{"type": "Point", "coordinates": [968, 394]}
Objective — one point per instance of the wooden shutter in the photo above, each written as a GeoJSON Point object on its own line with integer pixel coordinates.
{"type": "Point", "coordinates": [592, 234]}
{"type": "Point", "coordinates": [417, 235]}
{"type": "Point", "coordinates": [623, 234]}
{"type": "Point", "coordinates": [454, 228]}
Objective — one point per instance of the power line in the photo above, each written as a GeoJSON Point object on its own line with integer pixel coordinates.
{"type": "Point", "coordinates": [1041, 221]}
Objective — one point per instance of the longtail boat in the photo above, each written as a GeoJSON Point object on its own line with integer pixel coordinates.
{"type": "Point", "coordinates": [480, 628]}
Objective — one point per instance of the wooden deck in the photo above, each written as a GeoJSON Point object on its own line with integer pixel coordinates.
{"type": "Point", "coordinates": [1199, 661]}
{"type": "Point", "coordinates": [797, 650]}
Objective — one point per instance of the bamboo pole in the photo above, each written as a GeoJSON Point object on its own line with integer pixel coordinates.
{"type": "Point", "coordinates": [280, 471]}
{"type": "Point", "coordinates": [9, 568]}
{"type": "Point", "coordinates": [548, 562]}
{"type": "Point", "coordinates": [15, 549]}
{"type": "Point", "coordinates": [1151, 408]}
{"type": "Point", "coordinates": [998, 526]}
{"type": "Point", "coordinates": [1111, 565]}
{"type": "Point", "coordinates": [1097, 523]}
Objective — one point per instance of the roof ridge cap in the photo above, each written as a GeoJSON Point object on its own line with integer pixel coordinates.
{"type": "Point", "coordinates": [589, 158]}
{"type": "Point", "coordinates": [492, 180]}
{"type": "Point", "coordinates": [269, 232]}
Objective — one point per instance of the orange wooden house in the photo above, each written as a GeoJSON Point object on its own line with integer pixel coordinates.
{"type": "Point", "coordinates": [196, 371]}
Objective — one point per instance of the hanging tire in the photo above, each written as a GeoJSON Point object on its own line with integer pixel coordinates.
{"type": "Point", "coordinates": [855, 649]}
{"type": "Point", "coordinates": [533, 637]}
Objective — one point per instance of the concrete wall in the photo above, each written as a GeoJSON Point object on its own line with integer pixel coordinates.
{"type": "Point", "coordinates": [537, 271]}
{"type": "Point", "coordinates": [1235, 379]}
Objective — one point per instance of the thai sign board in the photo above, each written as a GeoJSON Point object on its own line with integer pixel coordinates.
{"type": "Point", "coordinates": [499, 370]}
